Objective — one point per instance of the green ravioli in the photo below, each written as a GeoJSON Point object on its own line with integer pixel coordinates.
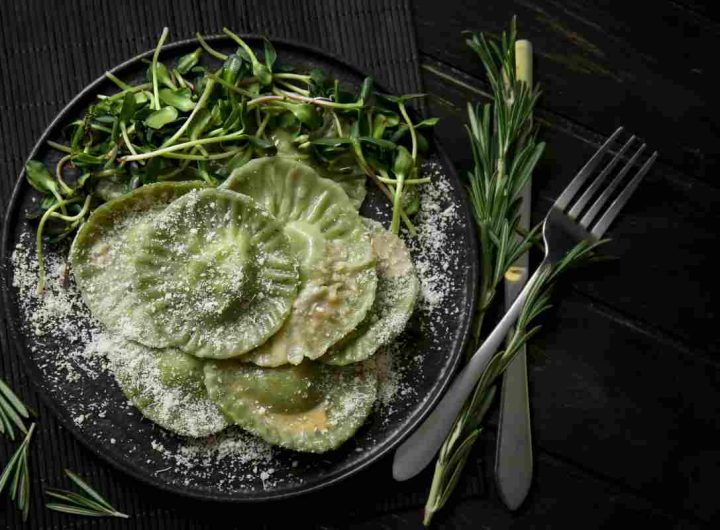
{"type": "Point", "coordinates": [309, 407]}
{"type": "Point", "coordinates": [217, 273]}
{"type": "Point", "coordinates": [337, 263]}
{"type": "Point", "coordinates": [165, 385]}
{"type": "Point", "coordinates": [101, 259]}
{"type": "Point", "coordinates": [397, 291]}
{"type": "Point", "coordinates": [343, 171]}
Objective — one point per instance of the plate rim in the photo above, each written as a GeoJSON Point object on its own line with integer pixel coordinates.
{"type": "Point", "coordinates": [35, 375]}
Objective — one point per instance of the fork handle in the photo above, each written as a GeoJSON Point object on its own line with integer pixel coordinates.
{"type": "Point", "coordinates": [420, 448]}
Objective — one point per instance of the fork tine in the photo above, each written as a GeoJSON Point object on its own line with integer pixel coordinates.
{"type": "Point", "coordinates": [609, 189]}
{"type": "Point", "coordinates": [617, 205]}
{"type": "Point", "coordinates": [592, 189]}
{"type": "Point", "coordinates": [576, 183]}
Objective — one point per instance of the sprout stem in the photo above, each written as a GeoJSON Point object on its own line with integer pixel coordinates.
{"type": "Point", "coordinates": [210, 49]}
{"type": "Point", "coordinates": [185, 145]}
{"type": "Point", "coordinates": [200, 104]}
{"type": "Point", "coordinates": [163, 36]}
{"type": "Point", "coordinates": [38, 236]}
{"type": "Point", "coordinates": [298, 77]}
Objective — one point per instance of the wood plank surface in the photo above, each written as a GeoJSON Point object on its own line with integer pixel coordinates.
{"type": "Point", "coordinates": [625, 381]}
{"type": "Point", "coordinates": [604, 63]}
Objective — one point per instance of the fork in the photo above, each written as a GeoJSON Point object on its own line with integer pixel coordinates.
{"type": "Point", "coordinates": [563, 228]}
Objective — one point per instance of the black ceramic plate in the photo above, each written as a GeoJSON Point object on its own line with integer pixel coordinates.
{"type": "Point", "coordinates": [118, 433]}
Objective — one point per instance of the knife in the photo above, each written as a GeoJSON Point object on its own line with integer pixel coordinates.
{"type": "Point", "coordinates": [514, 458]}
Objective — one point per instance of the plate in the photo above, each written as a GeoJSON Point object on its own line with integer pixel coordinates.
{"type": "Point", "coordinates": [237, 467]}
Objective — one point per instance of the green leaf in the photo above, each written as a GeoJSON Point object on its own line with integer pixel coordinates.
{"type": "Point", "coordinates": [163, 75]}
{"type": "Point", "coordinates": [378, 142]}
{"type": "Point", "coordinates": [40, 178]}
{"type": "Point", "coordinates": [128, 108]}
{"type": "Point", "coordinates": [365, 89]}
{"type": "Point", "coordinates": [305, 113]}
{"type": "Point", "coordinates": [403, 163]}
{"type": "Point", "coordinates": [180, 98]}
{"type": "Point", "coordinates": [260, 71]}
{"type": "Point", "coordinates": [270, 54]}
{"type": "Point", "coordinates": [231, 69]}
{"type": "Point", "coordinates": [187, 62]}
{"type": "Point", "coordinates": [162, 117]}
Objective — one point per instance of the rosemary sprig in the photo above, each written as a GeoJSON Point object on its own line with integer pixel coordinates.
{"type": "Point", "coordinates": [16, 475]}
{"type": "Point", "coordinates": [12, 412]}
{"type": "Point", "coordinates": [505, 152]}
{"type": "Point", "coordinates": [86, 503]}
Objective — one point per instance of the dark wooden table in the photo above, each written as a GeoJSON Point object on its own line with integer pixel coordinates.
{"type": "Point", "coordinates": [625, 385]}
{"type": "Point", "coordinates": [625, 382]}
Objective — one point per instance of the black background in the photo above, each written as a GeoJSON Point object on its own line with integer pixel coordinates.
{"type": "Point", "coordinates": [624, 378]}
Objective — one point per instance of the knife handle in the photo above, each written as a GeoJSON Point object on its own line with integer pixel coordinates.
{"type": "Point", "coordinates": [514, 458]}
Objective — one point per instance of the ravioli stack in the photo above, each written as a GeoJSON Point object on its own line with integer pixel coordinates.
{"type": "Point", "coordinates": [259, 303]}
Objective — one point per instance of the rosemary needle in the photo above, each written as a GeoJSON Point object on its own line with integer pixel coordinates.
{"type": "Point", "coordinates": [87, 502]}
{"type": "Point", "coordinates": [16, 476]}
{"type": "Point", "coordinates": [505, 151]}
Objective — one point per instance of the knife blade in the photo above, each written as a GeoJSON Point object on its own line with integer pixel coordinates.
{"type": "Point", "coordinates": [514, 457]}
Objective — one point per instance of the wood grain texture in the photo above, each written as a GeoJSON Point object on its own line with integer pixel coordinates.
{"type": "Point", "coordinates": [626, 383]}
{"type": "Point", "coordinates": [602, 63]}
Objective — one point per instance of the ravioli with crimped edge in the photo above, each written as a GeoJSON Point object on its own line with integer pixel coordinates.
{"type": "Point", "coordinates": [101, 259]}
{"type": "Point", "coordinates": [217, 273]}
{"type": "Point", "coordinates": [397, 291]}
{"type": "Point", "coordinates": [337, 263]}
{"type": "Point", "coordinates": [166, 385]}
{"type": "Point", "coordinates": [310, 407]}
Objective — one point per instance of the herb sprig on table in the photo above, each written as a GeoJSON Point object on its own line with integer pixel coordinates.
{"type": "Point", "coordinates": [87, 502]}
{"type": "Point", "coordinates": [505, 151]}
{"type": "Point", "coordinates": [15, 477]}
{"type": "Point", "coordinates": [208, 113]}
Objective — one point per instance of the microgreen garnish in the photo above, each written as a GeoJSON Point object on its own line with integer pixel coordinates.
{"type": "Point", "coordinates": [198, 119]}
{"type": "Point", "coordinates": [505, 152]}
{"type": "Point", "coordinates": [86, 503]}
{"type": "Point", "coordinates": [16, 475]}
